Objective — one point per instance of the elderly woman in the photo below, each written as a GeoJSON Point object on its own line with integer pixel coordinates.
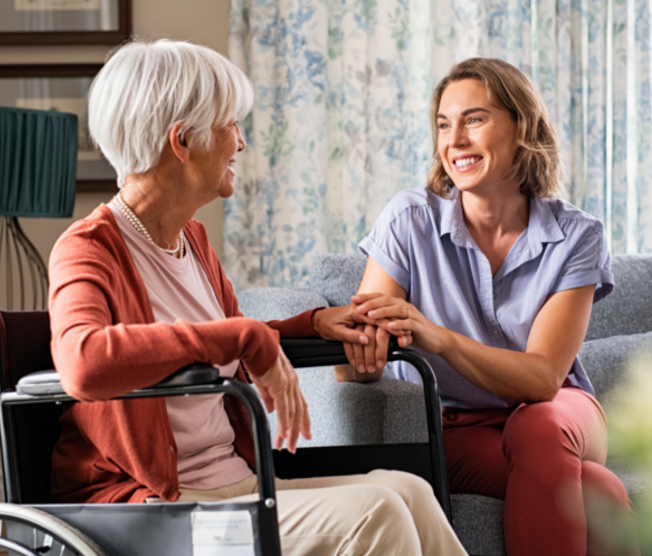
{"type": "Point", "coordinates": [492, 277]}
{"type": "Point", "coordinates": [137, 292]}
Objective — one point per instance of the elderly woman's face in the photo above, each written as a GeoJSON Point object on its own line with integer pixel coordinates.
{"type": "Point", "coordinates": [477, 140]}
{"type": "Point", "coordinates": [217, 164]}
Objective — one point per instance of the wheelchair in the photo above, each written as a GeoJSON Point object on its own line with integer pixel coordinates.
{"type": "Point", "coordinates": [32, 401]}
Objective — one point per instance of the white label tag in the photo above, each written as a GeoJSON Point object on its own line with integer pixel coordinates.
{"type": "Point", "coordinates": [223, 550]}
{"type": "Point", "coordinates": [222, 534]}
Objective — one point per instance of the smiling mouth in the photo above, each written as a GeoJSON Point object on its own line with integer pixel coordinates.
{"type": "Point", "coordinates": [465, 162]}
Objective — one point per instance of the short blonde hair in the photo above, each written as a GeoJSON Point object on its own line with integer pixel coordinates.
{"type": "Point", "coordinates": [537, 166]}
{"type": "Point", "coordinates": [146, 88]}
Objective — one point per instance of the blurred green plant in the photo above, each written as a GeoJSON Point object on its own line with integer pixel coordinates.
{"type": "Point", "coordinates": [630, 436]}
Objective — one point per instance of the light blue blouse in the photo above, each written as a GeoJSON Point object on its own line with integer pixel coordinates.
{"type": "Point", "coordinates": [422, 242]}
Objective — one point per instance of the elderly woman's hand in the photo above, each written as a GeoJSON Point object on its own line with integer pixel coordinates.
{"type": "Point", "coordinates": [279, 389]}
{"type": "Point", "coordinates": [341, 323]}
{"type": "Point", "coordinates": [366, 361]}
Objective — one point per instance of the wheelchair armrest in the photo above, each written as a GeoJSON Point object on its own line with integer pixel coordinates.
{"type": "Point", "coordinates": [315, 352]}
{"type": "Point", "coordinates": [41, 383]}
{"type": "Point", "coordinates": [195, 373]}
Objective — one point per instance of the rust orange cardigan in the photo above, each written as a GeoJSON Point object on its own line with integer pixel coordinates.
{"type": "Point", "coordinates": [105, 342]}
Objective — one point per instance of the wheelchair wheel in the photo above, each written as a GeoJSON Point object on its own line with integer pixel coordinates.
{"type": "Point", "coordinates": [30, 532]}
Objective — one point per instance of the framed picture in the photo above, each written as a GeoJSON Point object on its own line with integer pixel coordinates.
{"type": "Point", "coordinates": [36, 22]}
{"type": "Point", "coordinates": [63, 88]}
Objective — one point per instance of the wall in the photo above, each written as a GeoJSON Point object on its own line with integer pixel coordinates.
{"type": "Point", "coordinates": [200, 21]}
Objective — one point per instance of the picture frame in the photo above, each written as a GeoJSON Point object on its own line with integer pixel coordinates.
{"type": "Point", "coordinates": [45, 22]}
{"type": "Point", "coordinates": [62, 87]}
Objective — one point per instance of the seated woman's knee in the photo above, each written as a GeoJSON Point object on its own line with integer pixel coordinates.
{"type": "Point", "coordinates": [408, 486]}
{"type": "Point", "coordinates": [537, 423]}
{"type": "Point", "coordinates": [388, 507]}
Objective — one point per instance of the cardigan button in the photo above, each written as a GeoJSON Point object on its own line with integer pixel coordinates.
{"type": "Point", "coordinates": [171, 448]}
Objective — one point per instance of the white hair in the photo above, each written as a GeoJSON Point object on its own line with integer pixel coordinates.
{"type": "Point", "coordinates": [146, 88]}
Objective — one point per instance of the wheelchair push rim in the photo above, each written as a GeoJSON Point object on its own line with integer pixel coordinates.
{"type": "Point", "coordinates": [40, 533]}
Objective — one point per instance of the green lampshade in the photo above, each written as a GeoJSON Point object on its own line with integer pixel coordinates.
{"type": "Point", "coordinates": [38, 162]}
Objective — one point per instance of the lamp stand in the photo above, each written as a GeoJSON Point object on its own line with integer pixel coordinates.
{"type": "Point", "coordinates": [20, 259]}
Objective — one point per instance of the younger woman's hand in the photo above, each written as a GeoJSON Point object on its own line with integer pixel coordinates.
{"type": "Point", "coordinates": [279, 389]}
{"type": "Point", "coordinates": [401, 319]}
{"type": "Point", "coordinates": [368, 360]}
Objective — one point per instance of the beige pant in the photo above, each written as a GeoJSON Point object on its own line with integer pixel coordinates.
{"type": "Point", "coordinates": [388, 513]}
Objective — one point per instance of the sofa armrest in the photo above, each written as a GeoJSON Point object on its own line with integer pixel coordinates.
{"type": "Point", "coordinates": [606, 360]}
{"type": "Point", "coordinates": [628, 310]}
{"type": "Point", "coordinates": [389, 411]}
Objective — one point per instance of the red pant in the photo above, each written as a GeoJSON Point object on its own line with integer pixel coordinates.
{"type": "Point", "coordinates": [540, 458]}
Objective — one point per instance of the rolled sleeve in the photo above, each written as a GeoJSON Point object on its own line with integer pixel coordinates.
{"type": "Point", "coordinates": [389, 241]}
{"type": "Point", "coordinates": [401, 276]}
{"type": "Point", "coordinates": [589, 263]}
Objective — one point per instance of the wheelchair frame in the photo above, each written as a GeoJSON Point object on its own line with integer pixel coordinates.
{"type": "Point", "coordinates": [202, 379]}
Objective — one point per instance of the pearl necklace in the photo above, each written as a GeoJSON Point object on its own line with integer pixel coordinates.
{"type": "Point", "coordinates": [140, 227]}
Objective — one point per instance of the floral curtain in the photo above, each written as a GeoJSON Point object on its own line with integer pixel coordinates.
{"type": "Point", "coordinates": [341, 116]}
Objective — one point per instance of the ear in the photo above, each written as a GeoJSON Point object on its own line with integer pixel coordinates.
{"type": "Point", "coordinates": [179, 142]}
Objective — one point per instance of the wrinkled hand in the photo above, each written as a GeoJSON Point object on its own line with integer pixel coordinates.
{"type": "Point", "coordinates": [341, 323]}
{"type": "Point", "coordinates": [279, 389]}
{"type": "Point", "coordinates": [372, 356]}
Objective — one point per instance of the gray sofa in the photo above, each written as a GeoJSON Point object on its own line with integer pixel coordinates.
{"type": "Point", "coordinates": [392, 411]}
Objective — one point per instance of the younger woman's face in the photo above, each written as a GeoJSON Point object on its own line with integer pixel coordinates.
{"type": "Point", "coordinates": [477, 140]}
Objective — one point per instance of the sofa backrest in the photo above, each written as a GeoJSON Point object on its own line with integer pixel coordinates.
{"type": "Point", "coordinates": [627, 310]}
{"type": "Point", "coordinates": [337, 277]}
{"type": "Point", "coordinates": [277, 303]}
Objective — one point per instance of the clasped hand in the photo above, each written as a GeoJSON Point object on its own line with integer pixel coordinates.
{"type": "Point", "coordinates": [385, 316]}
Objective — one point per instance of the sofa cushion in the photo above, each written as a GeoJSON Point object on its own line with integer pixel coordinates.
{"type": "Point", "coordinates": [337, 277]}
{"type": "Point", "coordinates": [628, 309]}
{"type": "Point", "coordinates": [277, 303]}
{"type": "Point", "coordinates": [606, 360]}
{"type": "Point", "coordinates": [478, 523]}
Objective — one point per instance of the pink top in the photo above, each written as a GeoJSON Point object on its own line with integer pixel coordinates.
{"type": "Point", "coordinates": [106, 342]}
{"type": "Point", "coordinates": [179, 290]}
